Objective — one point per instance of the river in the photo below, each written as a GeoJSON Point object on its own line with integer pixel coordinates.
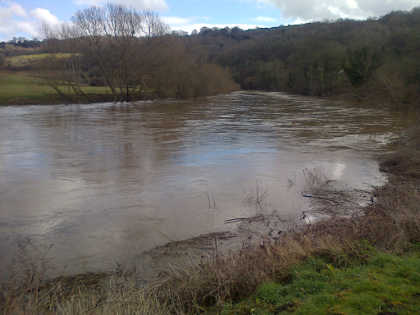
{"type": "Point", "coordinates": [101, 182]}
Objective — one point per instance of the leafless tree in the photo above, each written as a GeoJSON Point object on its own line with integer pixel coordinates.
{"type": "Point", "coordinates": [153, 25]}
{"type": "Point", "coordinates": [109, 39]}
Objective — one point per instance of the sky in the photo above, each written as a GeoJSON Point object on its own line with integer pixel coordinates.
{"type": "Point", "coordinates": [24, 17]}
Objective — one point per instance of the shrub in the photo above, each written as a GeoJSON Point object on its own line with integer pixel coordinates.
{"type": "Point", "coordinates": [2, 60]}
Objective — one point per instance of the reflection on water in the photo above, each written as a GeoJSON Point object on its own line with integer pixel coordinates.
{"type": "Point", "coordinates": [107, 180]}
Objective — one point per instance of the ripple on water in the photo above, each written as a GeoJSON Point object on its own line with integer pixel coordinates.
{"type": "Point", "coordinates": [106, 180]}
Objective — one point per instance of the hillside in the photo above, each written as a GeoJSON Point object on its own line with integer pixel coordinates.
{"type": "Point", "coordinates": [377, 57]}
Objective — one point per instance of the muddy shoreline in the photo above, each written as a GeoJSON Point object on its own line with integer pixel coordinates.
{"type": "Point", "coordinates": [328, 200]}
{"type": "Point", "coordinates": [156, 265]}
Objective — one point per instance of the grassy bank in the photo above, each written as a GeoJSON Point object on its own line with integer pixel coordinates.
{"type": "Point", "coordinates": [23, 88]}
{"type": "Point", "coordinates": [20, 83]}
{"type": "Point", "coordinates": [23, 61]}
{"type": "Point", "coordinates": [18, 88]}
{"type": "Point", "coordinates": [373, 283]}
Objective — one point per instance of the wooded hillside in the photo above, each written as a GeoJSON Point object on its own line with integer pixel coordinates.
{"type": "Point", "coordinates": [377, 57]}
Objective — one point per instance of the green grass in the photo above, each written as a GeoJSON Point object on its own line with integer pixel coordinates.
{"type": "Point", "coordinates": [384, 284]}
{"type": "Point", "coordinates": [22, 88]}
{"type": "Point", "coordinates": [25, 60]}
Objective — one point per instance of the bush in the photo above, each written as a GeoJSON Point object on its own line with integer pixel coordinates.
{"type": "Point", "coordinates": [2, 60]}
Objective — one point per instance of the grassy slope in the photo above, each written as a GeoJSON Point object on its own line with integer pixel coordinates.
{"type": "Point", "coordinates": [384, 284]}
{"type": "Point", "coordinates": [25, 60]}
{"type": "Point", "coordinates": [17, 87]}
{"type": "Point", "coordinates": [23, 88]}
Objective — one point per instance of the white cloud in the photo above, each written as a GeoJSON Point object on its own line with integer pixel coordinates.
{"type": "Point", "coordinates": [17, 9]}
{"type": "Point", "coordinates": [9, 10]}
{"type": "Point", "coordinates": [15, 21]}
{"type": "Point", "coordinates": [11, 16]}
{"type": "Point", "coordinates": [352, 4]}
{"type": "Point", "coordinates": [27, 28]}
{"type": "Point", "coordinates": [300, 21]}
{"type": "Point", "coordinates": [265, 19]}
{"type": "Point", "coordinates": [158, 5]}
{"type": "Point", "coordinates": [45, 16]}
{"type": "Point", "coordinates": [174, 20]}
{"type": "Point", "coordinates": [315, 10]}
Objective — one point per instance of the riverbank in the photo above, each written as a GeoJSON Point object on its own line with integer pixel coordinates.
{"type": "Point", "coordinates": [25, 88]}
{"type": "Point", "coordinates": [263, 276]}
{"type": "Point", "coordinates": [373, 283]}
{"type": "Point", "coordinates": [366, 264]}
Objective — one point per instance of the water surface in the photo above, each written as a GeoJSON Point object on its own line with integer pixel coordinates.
{"type": "Point", "coordinates": [101, 182]}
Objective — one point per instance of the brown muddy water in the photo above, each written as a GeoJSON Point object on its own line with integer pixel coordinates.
{"type": "Point", "coordinates": [104, 182]}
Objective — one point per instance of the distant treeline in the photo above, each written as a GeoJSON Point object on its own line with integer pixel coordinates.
{"type": "Point", "coordinates": [22, 42]}
{"type": "Point", "coordinates": [135, 55]}
{"type": "Point", "coordinates": [379, 58]}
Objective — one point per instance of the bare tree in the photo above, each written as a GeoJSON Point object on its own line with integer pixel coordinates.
{"type": "Point", "coordinates": [114, 34]}
{"type": "Point", "coordinates": [153, 25]}
{"type": "Point", "coordinates": [107, 42]}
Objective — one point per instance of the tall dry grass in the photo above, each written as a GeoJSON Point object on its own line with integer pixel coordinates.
{"type": "Point", "coordinates": [86, 294]}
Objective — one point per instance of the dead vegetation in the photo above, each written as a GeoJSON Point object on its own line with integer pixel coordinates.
{"type": "Point", "coordinates": [404, 163]}
{"type": "Point", "coordinates": [393, 223]}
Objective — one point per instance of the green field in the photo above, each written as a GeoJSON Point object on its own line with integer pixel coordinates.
{"type": "Point", "coordinates": [17, 88]}
{"type": "Point", "coordinates": [27, 60]}
{"type": "Point", "coordinates": [384, 284]}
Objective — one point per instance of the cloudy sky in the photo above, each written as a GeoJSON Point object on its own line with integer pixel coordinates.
{"type": "Point", "coordinates": [23, 17]}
